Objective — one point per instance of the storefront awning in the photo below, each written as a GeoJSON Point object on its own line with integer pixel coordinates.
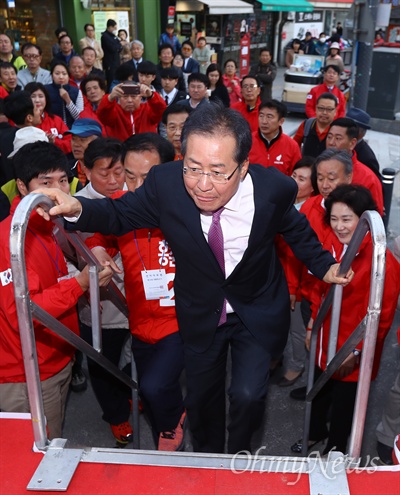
{"type": "Point", "coordinates": [286, 6]}
{"type": "Point", "coordinates": [218, 7]}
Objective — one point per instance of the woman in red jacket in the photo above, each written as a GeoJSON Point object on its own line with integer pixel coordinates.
{"type": "Point", "coordinates": [52, 125]}
{"type": "Point", "coordinates": [344, 206]}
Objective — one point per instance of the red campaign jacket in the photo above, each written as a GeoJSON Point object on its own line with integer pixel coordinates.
{"type": "Point", "coordinates": [149, 321]}
{"type": "Point", "coordinates": [355, 304]}
{"type": "Point", "coordinates": [43, 256]}
{"type": "Point", "coordinates": [364, 176]}
{"type": "Point", "coordinates": [56, 126]}
{"type": "Point", "coordinates": [316, 92]}
{"type": "Point", "coordinates": [236, 93]}
{"type": "Point", "coordinates": [282, 154]}
{"type": "Point", "coordinates": [291, 266]}
{"type": "Point", "coordinates": [89, 113]}
{"type": "Point", "coordinates": [145, 119]}
{"type": "Point", "coordinates": [251, 117]}
{"type": "Point", "coordinates": [315, 213]}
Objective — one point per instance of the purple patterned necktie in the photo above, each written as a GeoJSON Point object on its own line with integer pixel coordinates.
{"type": "Point", "coordinates": [216, 243]}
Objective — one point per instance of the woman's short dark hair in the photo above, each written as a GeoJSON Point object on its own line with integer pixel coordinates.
{"type": "Point", "coordinates": [305, 162]}
{"type": "Point", "coordinates": [216, 120]}
{"type": "Point", "coordinates": [357, 198]}
{"type": "Point", "coordinates": [58, 62]}
{"type": "Point", "coordinates": [32, 87]}
{"type": "Point", "coordinates": [230, 60]}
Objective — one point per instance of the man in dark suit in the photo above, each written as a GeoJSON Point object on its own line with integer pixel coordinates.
{"type": "Point", "coordinates": [229, 286]}
{"type": "Point", "coordinates": [169, 83]}
{"type": "Point", "coordinates": [111, 47]}
{"type": "Point", "coordinates": [189, 63]}
{"type": "Point", "coordinates": [137, 49]}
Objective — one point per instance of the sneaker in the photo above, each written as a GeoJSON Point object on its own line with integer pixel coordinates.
{"type": "Point", "coordinates": [78, 381]}
{"type": "Point", "coordinates": [123, 433]}
{"type": "Point", "coordinates": [172, 441]}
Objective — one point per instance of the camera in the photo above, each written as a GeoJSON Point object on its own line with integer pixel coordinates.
{"type": "Point", "coordinates": [131, 88]}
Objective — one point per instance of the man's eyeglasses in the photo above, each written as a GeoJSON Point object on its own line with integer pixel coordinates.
{"type": "Point", "coordinates": [31, 55]}
{"type": "Point", "coordinates": [326, 110]}
{"type": "Point", "coordinates": [249, 86]}
{"type": "Point", "coordinates": [215, 177]}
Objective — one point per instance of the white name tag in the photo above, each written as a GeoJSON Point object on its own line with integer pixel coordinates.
{"type": "Point", "coordinates": [155, 284]}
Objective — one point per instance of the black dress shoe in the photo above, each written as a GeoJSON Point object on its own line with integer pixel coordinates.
{"type": "Point", "coordinates": [298, 446]}
{"type": "Point", "coordinates": [385, 453]}
{"type": "Point", "coordinates": [298, 393]}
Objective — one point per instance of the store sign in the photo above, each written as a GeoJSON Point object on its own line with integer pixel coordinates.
{"type": "Point", "coordinates": [315, 16]}
{"type": "Point", "coordinates": [308, 21]}
{"type": "Point", "coordinates": [185, 24]}
{"type": "Point", "coordinates": [100, 19]}
{"type": "Point", "coordinates": [244, 55]}
{"type": "Point", "coordinates": [171, 13]}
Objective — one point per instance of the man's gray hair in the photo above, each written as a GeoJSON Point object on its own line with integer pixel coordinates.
{"type": "Point", "coordinates": [137, 42]}
{"type": "Point", "coordinates": [341, 156]}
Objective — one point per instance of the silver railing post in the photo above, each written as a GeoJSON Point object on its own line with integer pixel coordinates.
{"type": "Point", "coordinates": [22, 302]}
{"type": "Point", "coordinates": [27, 309]}
{"type": "Point", "coordinates": [367, 330]}
{"type": "Point", "coordinates": [373, 315]}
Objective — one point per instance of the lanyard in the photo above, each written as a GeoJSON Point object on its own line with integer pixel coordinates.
{"type": "Point", "coordinates": [54, 260]}
{"type": "Point", "coordinates": [138, 250]}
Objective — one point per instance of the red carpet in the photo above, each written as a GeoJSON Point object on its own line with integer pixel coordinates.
{"type": "Point", "coordinates": [18, 464]}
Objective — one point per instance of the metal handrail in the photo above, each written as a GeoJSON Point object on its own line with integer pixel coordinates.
{"type": "Point", "coordinates": [26, 309]}
{"type": "Point", "coordinates": [367, 330]}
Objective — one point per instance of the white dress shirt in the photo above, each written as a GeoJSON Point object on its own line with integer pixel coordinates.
{"type": "Point", "coordinates": [236, 221]}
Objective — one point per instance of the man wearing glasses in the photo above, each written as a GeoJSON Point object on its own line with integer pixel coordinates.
{"type": "Point", "coordinates": [250, 103]}
{"type": "Point", "coordinates": [32, 54]}
{"type": "Point", "coordinates": [329, 85]}
{"type": "Point", "coordinates": [220, 217]}
{"type": "Point", "coordinates": [311, 134]}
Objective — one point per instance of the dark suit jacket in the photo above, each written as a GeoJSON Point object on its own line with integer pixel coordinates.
{"type": "Point", "coordinates": [366, 156]}
{"type": "Point", "coordinates": [257, 289]}
{"type": "Point", "coordinates": [192, 66]}
{"type": "Point", "coordinates": [179, 96]}
{"type": "Point", "coordinates": [111, 48]}
{"type": "Point", "coordinates": [157, 81]}
{"type": "Point", "coordinates": [135, 72]}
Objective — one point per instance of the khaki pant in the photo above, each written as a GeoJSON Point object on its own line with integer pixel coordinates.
{"type": "Point", "coordinates": [14, 398]}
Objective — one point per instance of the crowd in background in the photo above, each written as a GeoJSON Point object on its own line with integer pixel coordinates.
{"type": "Point", "coordinates": [107, 116]}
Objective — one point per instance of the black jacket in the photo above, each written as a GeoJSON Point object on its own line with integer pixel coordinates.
{"type": "Point", "coordinates": [256, 289]}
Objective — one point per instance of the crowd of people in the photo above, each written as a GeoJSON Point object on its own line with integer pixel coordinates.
{"type": "Point", "coordinates": [230, 246]}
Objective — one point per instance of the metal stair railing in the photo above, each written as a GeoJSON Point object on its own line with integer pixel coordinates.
{"type": "Point", "coordinates": [366, 330]}
{"type": "Point", "coordinates": [27, 309]}
{"type": "Point", "coordinates": [56, 470]}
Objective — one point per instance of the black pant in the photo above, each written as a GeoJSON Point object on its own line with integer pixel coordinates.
{"type": "Point", "coordinates": [206, 376]}
{"type": "Point", "coordinates": [334, 403]}
{"type": "Point", "coordinates": [112, 395]}
{"type": "Point", "coordinates": [159, 367]}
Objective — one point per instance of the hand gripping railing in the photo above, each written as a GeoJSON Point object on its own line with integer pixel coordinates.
{"type": "Point", "coordinates": [26, 309]}
{"type": "Point", "coordinates": [367, 330]}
